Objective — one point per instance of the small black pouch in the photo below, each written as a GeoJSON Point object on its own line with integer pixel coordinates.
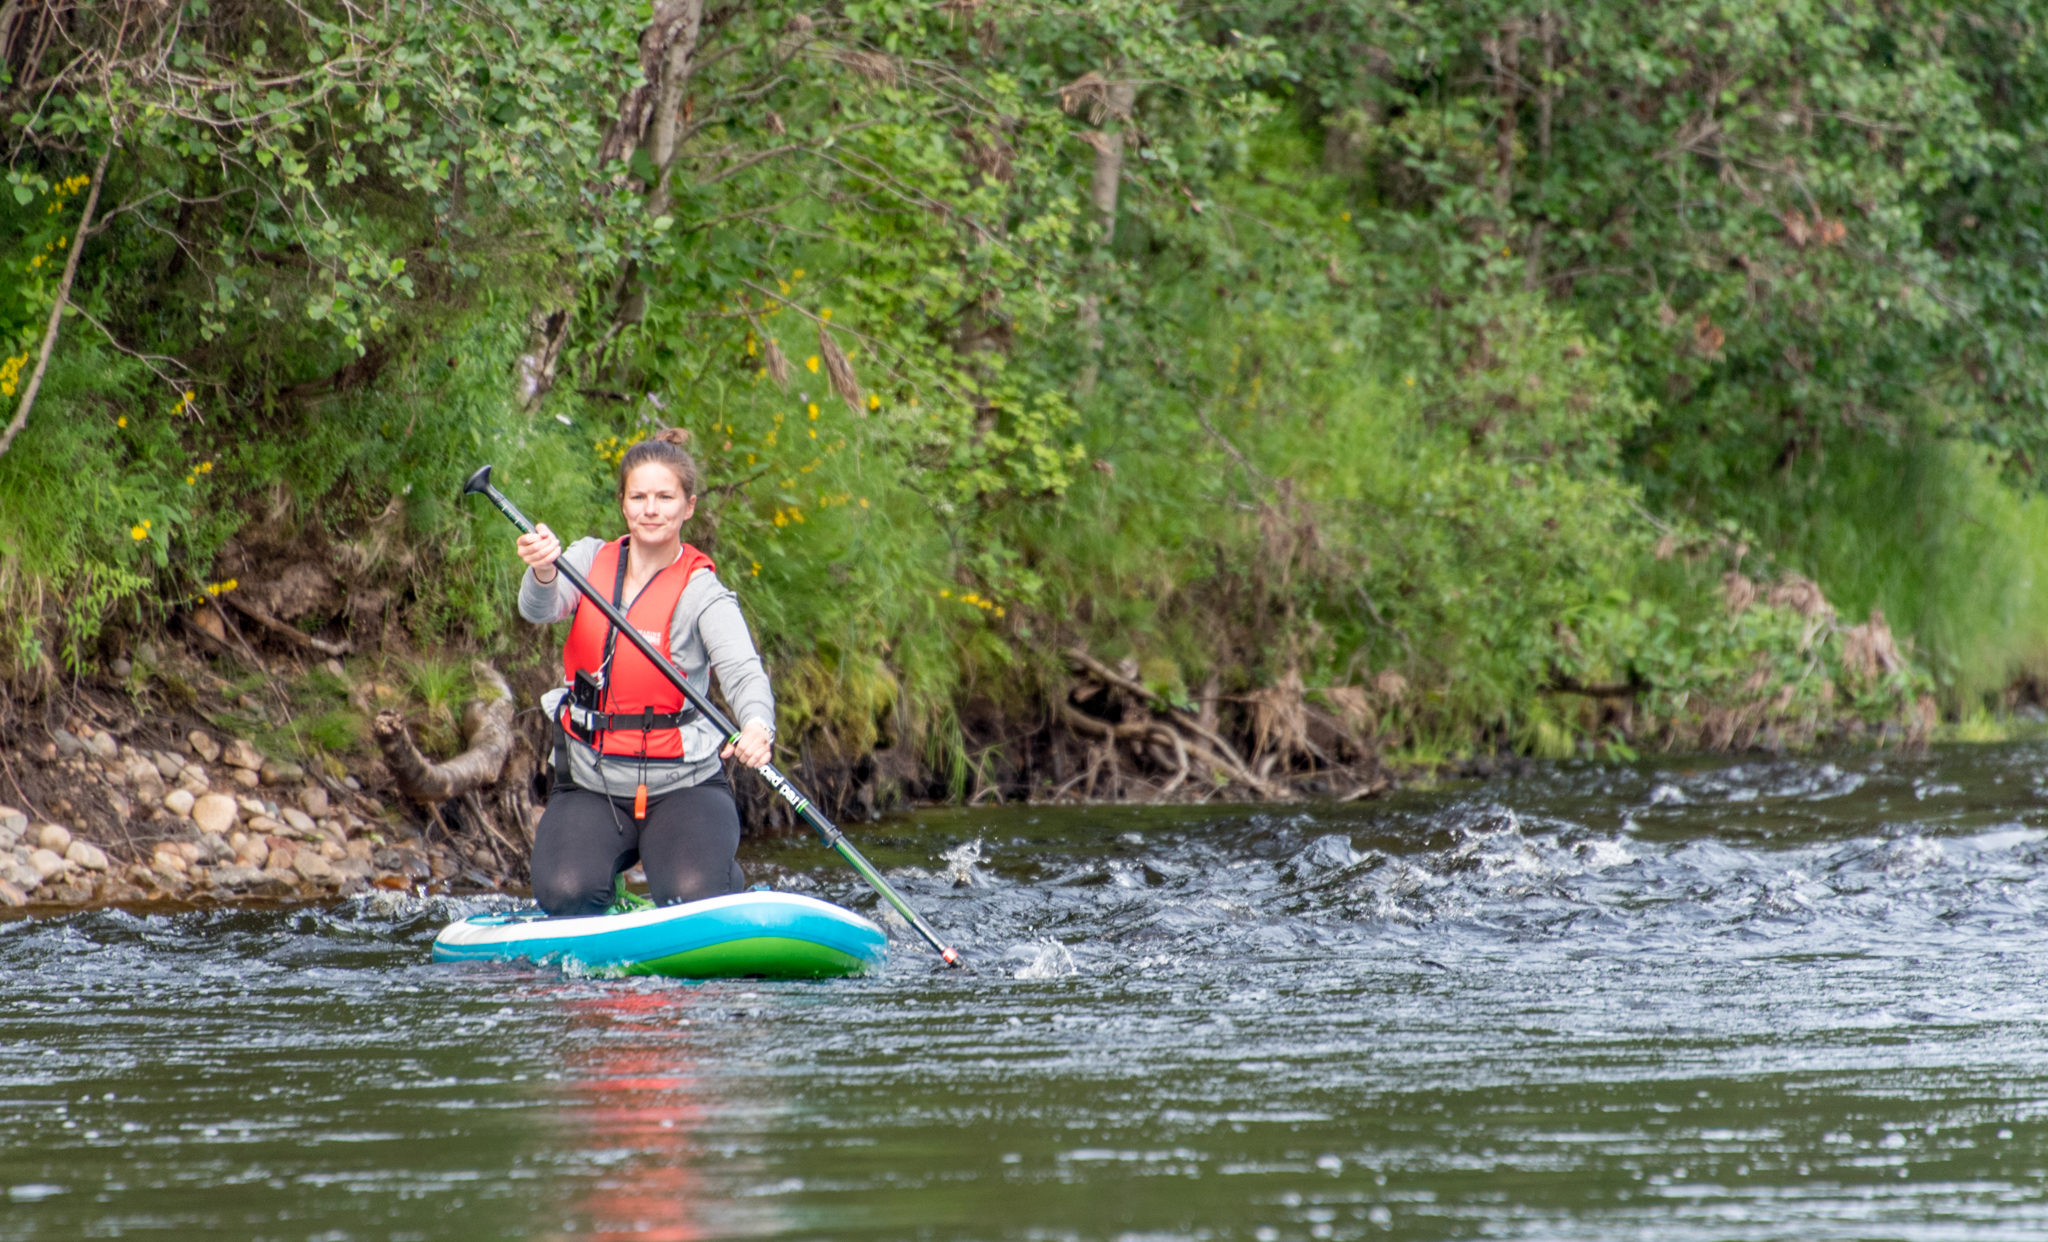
{"type": "Point", "coordinates": [586, 697]}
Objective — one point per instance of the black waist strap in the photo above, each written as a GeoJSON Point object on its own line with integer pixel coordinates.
{"type": "Point", "coordinates": [587, 724]}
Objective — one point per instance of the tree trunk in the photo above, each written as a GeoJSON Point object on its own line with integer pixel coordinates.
{"type": "Point", "coordinates": [675, 28]}
{"type": "Point", "coordinates": [35, 380]}
{"type": "Point", "coordinates": [1504, 51]}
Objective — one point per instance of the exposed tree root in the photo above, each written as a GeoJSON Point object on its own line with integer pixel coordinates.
{"type": "Point", "coordinates": [486, 727]}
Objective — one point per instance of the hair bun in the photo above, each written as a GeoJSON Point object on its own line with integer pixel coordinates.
{"type": "Point", "coordinates": [678, 436]}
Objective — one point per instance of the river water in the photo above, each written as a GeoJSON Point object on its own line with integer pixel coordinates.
{"type": "Point", "coordinates": [1696, 999]}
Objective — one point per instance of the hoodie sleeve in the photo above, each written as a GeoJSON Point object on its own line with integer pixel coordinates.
{"type": "Point", "coordinates": [728, 648]}
{"type": "Point", "coordinates": [557, 600]}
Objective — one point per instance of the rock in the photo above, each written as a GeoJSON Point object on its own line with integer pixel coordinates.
{"type": "Point", "coordinates": [149, 787]}
{"type": "Point", "coordinates": [360, 868]}
{"type": "Point", "coordinates": [314, 799]}
{"type": "Point", "coordinates": [286, 880]}
{"type": "Point", "coordinates": [48, 863]}
{"type": "Point", "coordinates": [122, 807]}
{"type": "Point", "coordinates": [254, 853]}
{"type": "Point", "coordinates": [312, 866]}
{"type": "Point", "coordinates": [204, 745]}
{"type": "Point", "coordinates": [193, 777]}
{"type": "Point", "coordinates": [244, 777]}
{"type": "Point", "coordinates": [68, 744]}
{"type": "Point", "coordinates": [179, 802]}
{"type": "Point", "coordinates": [20, 874]}
{"type": "Point", "coordinates": [190, 851]}
{"type": "Point", "coordinates": [113, 888]}
{"type": "Point", "coordinates": [9, 839]}
{"type": "Point", "coordinates": [298, 819]}
{"type": "Point", "coordinates": [407, 863]}
{"type": "Point", "coordinates": [251, 806]}
{"type": "Point", "coordinates": [215, 813]}
{"type": "Point", "coordinates": [104, 745]}
{"type": "Point", "coordinates": [86, 855]}
{"type": "Point", "coordinates": [267, 825]}
{"type": "Point", "coordinates": [354, 785]}
{"type": "Point", "coordinates": [72, 892]}
{"type": "Point", "coordinates": [332, 851]}
{"type": "Point", "coordinates": [54, 837]}
{"type": "Point", "coordinates": [167, 764]}
{"type": "Point", "coordinates": [11, 894]}
{"type": "Point", "coordinates": [335, 670]}
{"type": "Point", "coordinates": [282, 772]}
{"type": "Point", "coordinates": [361, 849]}
{"type": "Point", "coordinates": [12, 820]}
{"type": "Point", "coordinates": [237, 876]}
{"type": "Point", "coordinates": [122, 667]}
{"type": "Point", "coordinates": [239, 754]}
{"type": "Point", "coordinates": [168, 862]}
{"type": "Point", "coordinates": [281, 852]}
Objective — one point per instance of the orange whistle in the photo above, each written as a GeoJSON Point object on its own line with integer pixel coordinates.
{"type": "Point", "coordinates": [640, 803]}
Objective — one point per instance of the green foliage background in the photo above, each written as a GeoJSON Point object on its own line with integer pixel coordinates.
{"type": "Point", "coordinates": [1448, 353]}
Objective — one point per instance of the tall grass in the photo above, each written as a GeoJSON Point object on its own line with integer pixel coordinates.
{"type": "Point", "coordinates": [1933, 534]}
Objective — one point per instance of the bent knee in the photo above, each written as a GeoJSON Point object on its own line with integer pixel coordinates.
{"type": "Point", "coordinates": [569, 894]}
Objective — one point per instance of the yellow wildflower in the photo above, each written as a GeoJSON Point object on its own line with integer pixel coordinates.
{"type": "Point", "coordinates": [138, 532]}
{"type": "Point", "coordinates": [812, 408]}
{"type": "Point", "coordinates": [874, 402]}
{"type": "Point", "coordinates": [826, 314]}
{"type": "Point", "coordinates": [812, 363]}
{"type": "Point", "coordinates": [798, 274]}
{"type": "Point", "coordinates": [206, 467]}
{"type": "Point", "coordinates": [121, 421]}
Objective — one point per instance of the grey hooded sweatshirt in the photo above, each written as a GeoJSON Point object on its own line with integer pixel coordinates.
{"type": "Point", "coordinates": [706, 633]}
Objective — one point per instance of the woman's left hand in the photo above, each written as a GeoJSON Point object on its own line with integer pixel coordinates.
{"type": "Point", "coordinates": [754, 746]}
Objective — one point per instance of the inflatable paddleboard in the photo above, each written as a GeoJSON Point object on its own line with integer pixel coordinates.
{"type": "Point", "coordinates": [742, 935]}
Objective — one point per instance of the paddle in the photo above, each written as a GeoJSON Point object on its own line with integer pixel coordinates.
{"type": "Point", "coordinates": [805, 809]}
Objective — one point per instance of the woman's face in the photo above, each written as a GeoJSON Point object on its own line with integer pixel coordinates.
{"type": "Point", "coordinates": [655, 506]}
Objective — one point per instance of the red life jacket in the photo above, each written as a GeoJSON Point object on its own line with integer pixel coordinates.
{"type": "Point", "coordinates": [633, 685]}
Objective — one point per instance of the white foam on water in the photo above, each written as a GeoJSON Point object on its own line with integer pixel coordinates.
{"type": "Point", "coordinates": [1041, 959]}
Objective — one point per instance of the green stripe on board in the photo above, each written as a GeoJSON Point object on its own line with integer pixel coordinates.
{"type": "Point", "coordinates": [757, 957]}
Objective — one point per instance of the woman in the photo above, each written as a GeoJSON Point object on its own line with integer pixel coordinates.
{"type": "Point", "coordinates": [637, 771]}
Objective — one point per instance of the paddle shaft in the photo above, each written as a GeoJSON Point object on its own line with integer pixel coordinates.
{"type": "Point", "coordinates": [803, 807]}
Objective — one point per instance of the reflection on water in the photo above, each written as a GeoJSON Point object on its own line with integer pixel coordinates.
{"type": "Point", "coordinates": [1788, 998]}
{"type": "Point", "coordinates": [629, 1102]}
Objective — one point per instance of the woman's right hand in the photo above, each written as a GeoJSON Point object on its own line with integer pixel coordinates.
{"type": "Point", "coordinates": [539, 550]}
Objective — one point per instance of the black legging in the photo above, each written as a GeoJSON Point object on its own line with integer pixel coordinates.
{"type": "Point", "coordinates": [686, 842]}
